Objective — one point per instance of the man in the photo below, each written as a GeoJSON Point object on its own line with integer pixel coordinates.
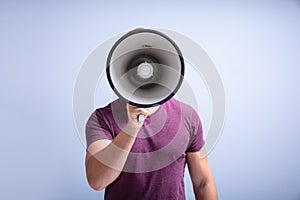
{"type": "Point", "coordinates": [120, 152]}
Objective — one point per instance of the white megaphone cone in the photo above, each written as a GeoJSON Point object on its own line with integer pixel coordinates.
{"type": "Point", "coordinates": [145, 68]}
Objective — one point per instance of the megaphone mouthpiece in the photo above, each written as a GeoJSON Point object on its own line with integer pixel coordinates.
{"type": "Point", "coordinates": [145, 70]}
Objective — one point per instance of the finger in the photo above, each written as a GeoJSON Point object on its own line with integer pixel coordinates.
{"type": "Point", "coordinates": [144, 111]}
{"type": "Point", "coordinates": [135, 109]}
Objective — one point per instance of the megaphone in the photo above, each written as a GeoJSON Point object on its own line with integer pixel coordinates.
{"type": "Point", "coordinates": [145, 67]}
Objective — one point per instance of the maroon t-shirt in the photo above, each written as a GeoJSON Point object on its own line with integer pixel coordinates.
{"type": "Point", "coordinates": [155, 166]}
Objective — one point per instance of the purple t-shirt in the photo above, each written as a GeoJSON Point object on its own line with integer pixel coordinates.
{"type": "Point", "coordinates": [155, 166]}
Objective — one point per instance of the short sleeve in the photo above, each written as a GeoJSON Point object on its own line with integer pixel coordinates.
{"type": "Point", "coordinates": [196, 133]}
{"type": "Point", "coordinates": [97, 128]}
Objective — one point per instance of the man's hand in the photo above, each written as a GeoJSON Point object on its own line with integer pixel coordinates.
{"type": "Point", "coordinates": [133, 112]}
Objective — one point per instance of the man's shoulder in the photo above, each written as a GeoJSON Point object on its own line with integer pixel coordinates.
{"type": "Point", "coordinates": [102, 109]}
{"type": "Point", "coordinates": [115, 110]}
{"type": "Point", "coordinates": [108, 107]}
{"type": "Point", "coordinates": [186, 111]}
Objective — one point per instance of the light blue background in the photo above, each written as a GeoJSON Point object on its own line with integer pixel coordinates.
{"type": "Point", "coordinates": [254, 44]}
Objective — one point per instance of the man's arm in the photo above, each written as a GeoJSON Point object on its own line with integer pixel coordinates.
{"type": "Point", "coordinates": [105, 159]}
{"type": "Point", "coordinates": [202, 178]}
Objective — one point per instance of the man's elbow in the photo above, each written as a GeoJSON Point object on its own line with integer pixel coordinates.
{"type": "Point", "coordinates": [205, 190]}
{"type": "Point", "coordinates": [201, 186]}
{"type": "Point", "coordinates": [96, 185]}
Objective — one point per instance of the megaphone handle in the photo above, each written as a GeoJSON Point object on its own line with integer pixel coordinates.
{"type": "Point", "coordinates": [141, 118]}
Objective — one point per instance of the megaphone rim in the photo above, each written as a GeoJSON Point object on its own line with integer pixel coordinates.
{"type": "Point", "coordinates": [128, 34]}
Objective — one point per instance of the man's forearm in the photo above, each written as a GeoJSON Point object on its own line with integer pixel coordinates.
{"type": "Point", "coordinates": [105, 166]}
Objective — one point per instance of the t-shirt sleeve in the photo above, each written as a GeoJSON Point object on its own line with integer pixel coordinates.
{"type": "Point", "coordinates": [97, 128]}
{"type": "Point", "coordinates": [196, 133]}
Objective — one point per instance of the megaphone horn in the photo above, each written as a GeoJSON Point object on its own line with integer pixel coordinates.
{"type": "Point", "coordinates": [145, 67]}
